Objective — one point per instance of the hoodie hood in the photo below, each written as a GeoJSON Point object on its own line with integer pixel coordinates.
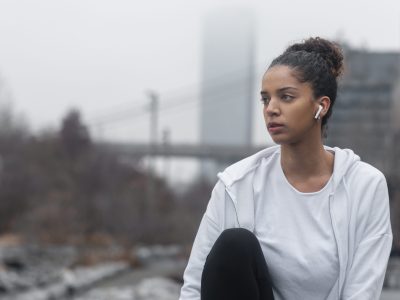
{"type": "Point", "coordinates": [345, 159]}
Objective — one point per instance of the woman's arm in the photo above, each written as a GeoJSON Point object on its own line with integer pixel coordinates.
{"type": "Point", "coordinates": [365, 275]}
{"type": "Point", "coordinates": [209, 230]}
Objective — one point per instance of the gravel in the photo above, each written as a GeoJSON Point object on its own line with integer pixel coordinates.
{"type": "Point", "coordinates": [156, 288]}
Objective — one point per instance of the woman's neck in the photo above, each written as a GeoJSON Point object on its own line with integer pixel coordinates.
{"type": "Point", "coordinates": [306, 160]}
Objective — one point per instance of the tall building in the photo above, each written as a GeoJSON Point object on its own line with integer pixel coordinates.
{"type": "Point", "coordinates": [227, 81]}
{"type": "Point", "coordinates": [364, 116]}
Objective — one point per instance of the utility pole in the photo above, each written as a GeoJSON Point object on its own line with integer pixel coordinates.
{"type": "Point", "coordinates": [151, 191]}
{"type": "Point", "coordinates": [153, 117]}
{"type": "Point", "coordinates": [166, 136]}
{"type": "Point", "coordinates": [100, 132]}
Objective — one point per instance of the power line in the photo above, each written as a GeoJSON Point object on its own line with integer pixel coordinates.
{"type": "Point", "coordinates": [178, 102]}
{"type": "Point", "coordinates": [221, 81]}
{"type": "Point", "coordinates": [188, 104]}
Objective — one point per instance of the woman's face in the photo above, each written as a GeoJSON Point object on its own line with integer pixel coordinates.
{"type": "Point", "coordinates": [289, 106]}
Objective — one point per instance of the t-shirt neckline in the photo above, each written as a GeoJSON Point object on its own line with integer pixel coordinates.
{"type": "Point", "coordinates": [327, 184]}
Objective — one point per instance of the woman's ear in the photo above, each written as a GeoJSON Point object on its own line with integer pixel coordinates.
{"type": "Point", "coordinates": [325, 102]}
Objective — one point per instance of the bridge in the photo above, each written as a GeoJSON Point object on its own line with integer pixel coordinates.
{"type": "Point", "coordinates": [223, 153]}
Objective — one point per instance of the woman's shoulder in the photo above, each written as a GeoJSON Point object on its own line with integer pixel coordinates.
{"type": "Point", "coordinates": [246, 166]}
{"type": "Point", "coordinates": [364, 179]}
{"type": "Point", "coordinates": [350, 166]}
{"type": "Point", "coordinates": [364, 172]}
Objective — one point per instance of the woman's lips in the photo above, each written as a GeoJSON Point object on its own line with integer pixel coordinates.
{"type": "Point", "coordinates": [274, 127]}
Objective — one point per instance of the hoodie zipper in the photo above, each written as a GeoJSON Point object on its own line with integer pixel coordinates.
{"type": "Point", "coordinates": [234, 205]}
{"type": "Point", "coordinates": [335, 233]}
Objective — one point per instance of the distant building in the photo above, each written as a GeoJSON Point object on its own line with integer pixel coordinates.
{"type": "Point", "coordinates": [366, 113]}
{"type": "Point", "coordinates": [227, 82]}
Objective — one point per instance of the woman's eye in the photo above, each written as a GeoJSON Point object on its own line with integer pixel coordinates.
{"type": "Point", "coordinates": [265, 100]}
{"type": "Point", "coordinates": [287, 97]}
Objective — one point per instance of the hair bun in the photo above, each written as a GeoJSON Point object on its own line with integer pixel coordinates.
{"type": "Point", "coordinates": [329, 51]}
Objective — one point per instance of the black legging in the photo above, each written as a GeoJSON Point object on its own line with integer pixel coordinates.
{"type": "Point", "coordinates": [235, 269]}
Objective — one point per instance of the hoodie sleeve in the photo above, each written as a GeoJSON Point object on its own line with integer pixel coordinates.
{"type": "Point", "coordinates": [365, 275]}
{"type": "Point", "coordinates": [209, 230]}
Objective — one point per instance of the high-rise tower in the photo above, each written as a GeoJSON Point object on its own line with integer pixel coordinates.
{"type": "Point", "coordinates": [227, 81]}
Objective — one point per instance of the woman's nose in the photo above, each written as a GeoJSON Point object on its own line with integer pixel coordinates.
{"type": "Point", "coordinates": [272, 108]}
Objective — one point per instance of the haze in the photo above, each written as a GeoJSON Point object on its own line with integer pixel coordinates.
{"type": "Point", "coordinates": [104, 56]}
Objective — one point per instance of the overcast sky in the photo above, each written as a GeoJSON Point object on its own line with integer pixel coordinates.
{"type": "Point", "coordinates": [103, 56]}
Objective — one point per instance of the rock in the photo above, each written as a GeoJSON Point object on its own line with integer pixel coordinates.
{"type": "Point", "coordinates": [27, 267]}
{"type": "Point", "coordinates": [125, 293]}
{"type": "Point", "coordinates": [147, 254]}
{"type": "Point", "coordinates": [157, 288]}
{"type": "Point", "coordinates": [84, 277]}
{"type": "Point", "coordinates": [71, 281]}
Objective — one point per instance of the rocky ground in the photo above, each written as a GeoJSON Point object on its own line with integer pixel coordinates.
{"type": "Point", "coordinates": [392, 279]}
{"type": "Point", "coordinates": [155, 288]}
{"type": "Point", "coordinates": [37, 273]}
{"type": "Point", "coordinates": [160, 278]}
{"type": "Point", "coordinates": [34, 273]}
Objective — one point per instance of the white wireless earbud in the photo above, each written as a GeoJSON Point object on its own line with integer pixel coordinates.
{"type": "Point", "coordinates": [318, 112]}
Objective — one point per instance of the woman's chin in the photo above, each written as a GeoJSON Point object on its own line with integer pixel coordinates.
{"type": "Point", "coordinates": [278, 139]}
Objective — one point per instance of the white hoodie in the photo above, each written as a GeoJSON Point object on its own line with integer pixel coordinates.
{"type": "Point", "coordinates": [359, 209]}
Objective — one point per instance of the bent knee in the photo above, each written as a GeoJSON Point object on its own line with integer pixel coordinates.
{"type": "Point", "coordinates": [235, 241]}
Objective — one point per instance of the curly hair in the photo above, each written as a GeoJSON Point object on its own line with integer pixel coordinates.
{"type": "Point", "coordinates": [318, 62]}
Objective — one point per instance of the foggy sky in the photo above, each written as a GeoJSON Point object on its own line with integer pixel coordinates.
{"type": "Point", "coordinates": [104, 56]}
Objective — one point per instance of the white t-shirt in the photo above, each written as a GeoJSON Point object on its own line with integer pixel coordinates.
{"type": "Point", "coordinates": [297, 239]}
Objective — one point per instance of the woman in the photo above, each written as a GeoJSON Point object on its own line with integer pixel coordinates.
{"type": "Point", "coordinates": [298, 220]}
